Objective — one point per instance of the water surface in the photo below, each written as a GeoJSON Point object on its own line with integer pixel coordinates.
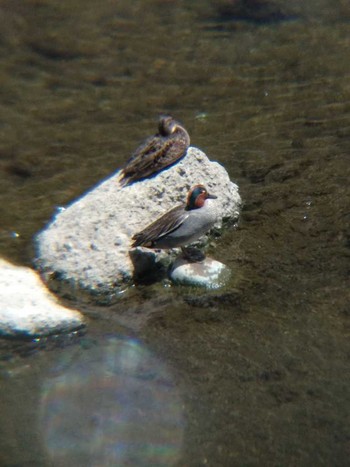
{"type": "Point", "coordinates": [260, 370]}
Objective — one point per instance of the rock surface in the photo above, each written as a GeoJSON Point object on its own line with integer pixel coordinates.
{"type": "Point", "coordinates": [88, 243]}
{"type": "Point", "coordinates": [208, 273]}
{"type": "Point", "coordinates": [27, 308]}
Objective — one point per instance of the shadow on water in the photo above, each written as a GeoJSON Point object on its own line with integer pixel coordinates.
{"type": "Point", "coordinates": [256, 373]}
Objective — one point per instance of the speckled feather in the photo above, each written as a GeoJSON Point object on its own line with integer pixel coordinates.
{"type": "Point", "coordinates": [157, 152]}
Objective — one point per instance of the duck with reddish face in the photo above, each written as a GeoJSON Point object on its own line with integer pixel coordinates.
{"type": "Point", "coordinates": [183, 224]}
{"type": "Point", "coordinates": [157, 152]}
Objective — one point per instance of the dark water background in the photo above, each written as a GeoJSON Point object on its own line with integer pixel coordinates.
{"type": "Point", "coordinates": [262, 367]}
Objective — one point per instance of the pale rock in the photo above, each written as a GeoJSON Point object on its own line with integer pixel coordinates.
{"type": "Point", "coordinates": [88, 243]}
{"type": "Point", "coordinates": [209, 273]}
{"type": "Point", "coordinates": [28, 308]}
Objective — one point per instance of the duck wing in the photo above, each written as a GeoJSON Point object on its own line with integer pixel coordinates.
{"type": "Point", "coordinates": [176, 149]}
{"type": "Point", "coordinates": [164, 225]}
{"type": "Point", "coordinates": [145, 155]}
{"type": "Point", "coordinates": [154, 155]}
{"type": "Point", "coordinates": [152, 145]}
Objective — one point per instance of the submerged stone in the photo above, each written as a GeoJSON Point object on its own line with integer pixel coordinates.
{"type": "Point", "coordinates": [208, 273]}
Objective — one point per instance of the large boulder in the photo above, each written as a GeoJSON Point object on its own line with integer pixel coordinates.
{"type": "Point", "coordinates": [27, 308]}
{"type": "Point", "coordinates": [88, 243]}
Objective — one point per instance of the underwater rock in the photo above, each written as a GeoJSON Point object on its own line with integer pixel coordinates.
{"type": "Point", "coordinates": [88, 243]}
{"type": "Point", "coordinates": [28, 308]}
{"type": "Point", "coordinates": [208, 273]}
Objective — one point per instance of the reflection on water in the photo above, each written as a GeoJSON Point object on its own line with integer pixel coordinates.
{"type": "Point", "coordinates": [113, 404]}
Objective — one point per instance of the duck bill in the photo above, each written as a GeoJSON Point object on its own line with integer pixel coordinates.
{"type": "Point", "coordinates": [210, 196]}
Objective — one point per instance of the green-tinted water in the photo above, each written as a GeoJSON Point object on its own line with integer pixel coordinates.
{"type": "Point", "coordinates": [262, 367]}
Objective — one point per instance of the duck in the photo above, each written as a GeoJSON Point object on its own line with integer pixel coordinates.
{"type": "Point", "coordinates": [157, 152]}
{"type": "Point", "coordinates": [183, 224]}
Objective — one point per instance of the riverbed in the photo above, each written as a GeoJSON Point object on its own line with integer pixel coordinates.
{"type": "Point", "coordinates": [256, 373]}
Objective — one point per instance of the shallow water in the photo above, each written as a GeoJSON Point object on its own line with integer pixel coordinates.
{"type": "Point", "coordinates": [259, 371]}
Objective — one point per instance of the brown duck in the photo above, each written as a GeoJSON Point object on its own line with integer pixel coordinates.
{"type": "Point", "coordinates": [157, 152]}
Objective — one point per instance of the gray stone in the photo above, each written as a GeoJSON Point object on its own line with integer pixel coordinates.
{"type": "Point", "coordinates": [88, 243]}
{"type": "Point", "coordinates": [208, 273]}
{"type": "Point", "coordinates": [28, 308]}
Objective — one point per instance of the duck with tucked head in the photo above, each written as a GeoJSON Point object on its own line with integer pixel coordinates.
{"type": "Point", "coordinates": [157, 152]}
{"type": "Point", "coordinates": [183, 224]}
